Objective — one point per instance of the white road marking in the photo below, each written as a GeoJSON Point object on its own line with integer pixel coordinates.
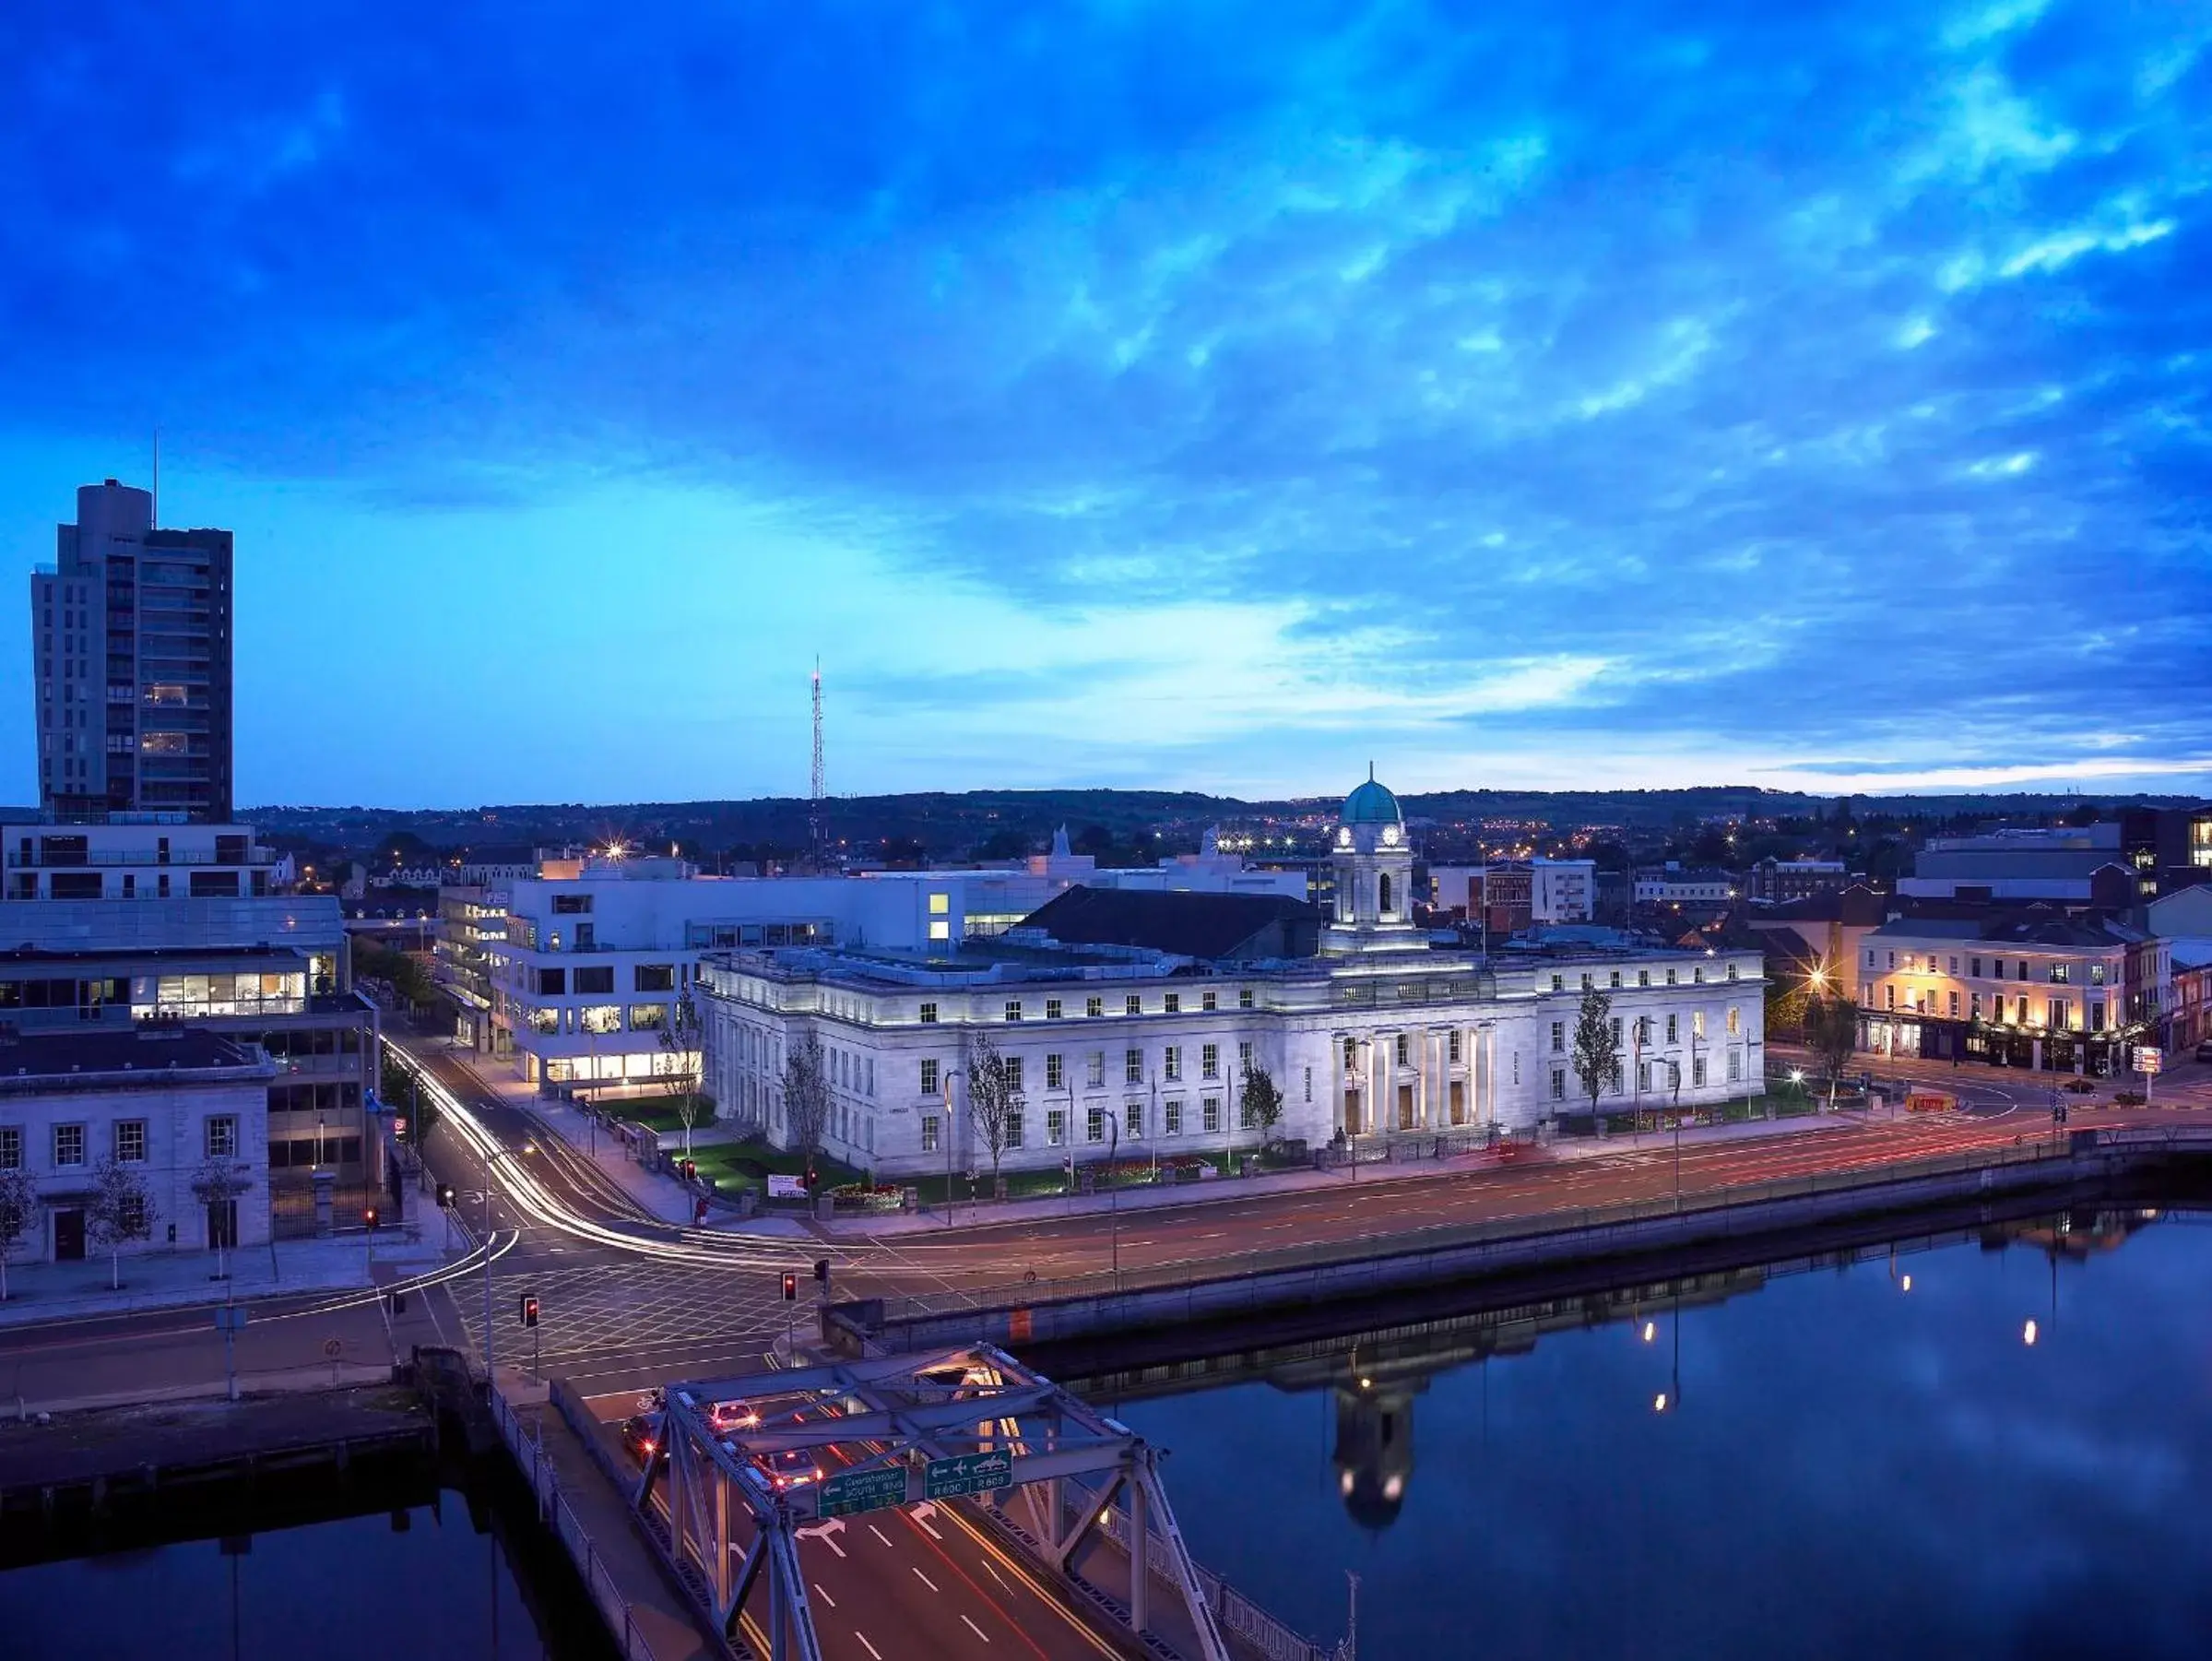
{"type": "Point", "coordinates": [976, 1630]}
{"type": "Point", "coordinates": [870, 1648]}
{"type": "Point", "coordinates": [920, 1516]}
{"type": "Point", "coordinates": [879, 1534]}
{"type": "Point", "coordinates": [994, 1574]}
{"type": "Point", "coordinates": [824, 1596]}
{"type": "Point", "coordinates": [826, 1533]}
{"type": "Point", "coordinates": [925, 1580]}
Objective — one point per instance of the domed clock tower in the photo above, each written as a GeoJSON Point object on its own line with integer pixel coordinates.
{"type": "Point", "coordinates": [1373, 867]}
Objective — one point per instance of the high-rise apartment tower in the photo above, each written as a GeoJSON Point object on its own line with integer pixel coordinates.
{"type": "Point", "coordinates": [131, 643]}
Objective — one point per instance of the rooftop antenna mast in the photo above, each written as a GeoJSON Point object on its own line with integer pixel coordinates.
{"type": "Point", "coordinates": [817, 829]}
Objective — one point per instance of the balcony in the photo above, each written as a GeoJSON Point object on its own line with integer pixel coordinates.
{"type": "Point", "coordinates": [135, 858]}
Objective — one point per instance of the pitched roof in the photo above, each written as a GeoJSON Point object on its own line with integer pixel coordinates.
{"type": "Point", "coordinates": [1190, 925]}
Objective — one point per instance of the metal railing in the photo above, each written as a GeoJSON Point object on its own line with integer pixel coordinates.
{"type": "Point", "coordinates": [554, 1512]}
{"type": "Point", "coordinates": [1444, 1237]}
{"type": "Point", "coordinates": [1238, 1614]}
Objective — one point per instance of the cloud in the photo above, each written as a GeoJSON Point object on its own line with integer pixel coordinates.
{"type": "Point", "coordinates": [1419, 382]}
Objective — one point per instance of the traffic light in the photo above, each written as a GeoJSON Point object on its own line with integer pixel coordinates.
{"type": "Point", "coordinates": [821, 1270]}
{"type": "Point", "coordinates": [812, 1177]}
{"type": "Point", "coordinates": [689, 1170]}
{"type": "Point", "coordinates": [369, 1219]}
{"type": "Point", "coordinates": [399, 1126]}
{"type": "Point", "coordinates": [790, 1286]}
{"type": "Point", "coordinates": [529, 1308]}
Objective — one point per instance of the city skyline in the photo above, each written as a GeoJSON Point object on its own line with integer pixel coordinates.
{"type": "Point", "coordinates": [1148, 399]}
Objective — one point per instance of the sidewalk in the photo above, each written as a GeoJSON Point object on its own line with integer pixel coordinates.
{"type": "Point", "coordinates": [173, 1279]}
{"type": "Point", "coordinates": [1153, 1196]}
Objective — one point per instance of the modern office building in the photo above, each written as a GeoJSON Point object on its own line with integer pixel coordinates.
{"type": "Point", "coordinates": [131, 652]}
{"type": "Point", "coordinates": [164, 1100]}
{"type": "Point", "coordinates": [2076, 866]}
{"type": "Point", "coordinates": [1136, 1033]}
{"type": "Point", "coordinates": [138, 860]}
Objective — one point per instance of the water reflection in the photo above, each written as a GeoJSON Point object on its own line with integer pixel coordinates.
{"type": "Point", "coordinates": [1982, 1443]}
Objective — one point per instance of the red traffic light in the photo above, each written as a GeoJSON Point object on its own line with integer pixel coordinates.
{"type": "Point", "coordinates": [529, 1308]}
{"type": "Point", "coordinates": [790, 1286]}
{"type": "Point", "coordinates": [369, 1217]}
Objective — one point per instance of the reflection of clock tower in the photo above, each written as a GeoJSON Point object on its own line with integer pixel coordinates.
{"type": "Point", "coordinates": [1374, 876]}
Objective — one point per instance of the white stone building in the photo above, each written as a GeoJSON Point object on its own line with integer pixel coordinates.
{"type": "Point", "coordinates": [1140, 1041]}
{"type": "Point", "coordinates": [163, 1100]}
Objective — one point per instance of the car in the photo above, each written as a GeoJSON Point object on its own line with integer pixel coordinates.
{"type": "Point", "coordinates": [790, 1467]}
{"type": "Point", "coordinates": [641, 1438]}
{"type": "Point", "coordinates": [2203, 1051]}
{"type": "Point", "coordinates": [722, 1418]}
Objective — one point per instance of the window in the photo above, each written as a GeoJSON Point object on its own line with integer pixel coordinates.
{"type": "Point", "coordinates": [1671, 976]}
{"type": "Point", "coordinates": [1587, 984]}
{"type": "Point", "coordinates": [1404, 1050]}
{"type": "Point", "coordinates": [1094, 1123]}
{"type": "Point", "coordinates": [1697, 1072]}
{"type": "Point", "coordinates": [1351, 1054]}
{"type": "Point", "coordinates": [2059, 1012]}
{"type": "Point", "coordinates": [1052, 1009]}
{"type": "Point", "coordinates": [1731, 971]}
{"type": "Point", "coordinates": [2020, 1014]}
{"type": "Point", "coordinates": [1132, 1066]}
{"type": "Point", "coordinates": [929, 1014]}
{"type": "Point", "coordinates": [940, 930]}
{"type": "Point", "coordinates": [1209, 1061]}
{"type": "Point", "coordinates": [1558, 1084]}
{"type": "Point", "coordinates": [1013, 1127]}
{"type": "Point", "coordinates": [2096, 1015]}
{"type": "Point", "coordinates": [1209, 1115]}
{"type": "Point", "coordinates": [2020, 964]}
{"type": "Point", "coordinates": [1244, 997]}
{"type": "Point", "coordinates": [1558, 983]}
{"type": "Point", "coordinates": [1014, 1074]}
{"type": "Point", "coordinates": [1558, 1037]}
{"type": "Point", "coordinates": [1243, 1058]}
{"type": "Point", "coordinates": [1954, 1006]}
{"type": "Point", "coordinates": [1132, 1121]}
{"type": "Point", "coordinates": [1888, 998]}
{"type": "Point", "coordinates": [2061, 973]}
{"type": "Point", "coordinates": [1171, 1061]}
{"type": "Point", "coordinates": [1171, 1003]}
{"type": "Point", "coordinates": [928, 1133]}
{"type": "Point", "coordinates": [1735, 1017]}
{"type": "Point", "coordinates": [1310, 1083]}
{"type": "Point", "coordinates": [1697, 1023]}
{"type": "Point", "coordinates": [595, 978]}
{"type": "Point", "coordinates": [1698, 975]}
{"type": "Point", "coordinates": [1617, 980]}
{"type": "Point", "coordinates": [1735, 1066]}
{"type": "Point", "coordinates": [1893, 960]}
{"type": "Point", "coordinates": [652, 978]}
{"type": "Point", "coordinates": [1974, 967]}
{"type": "Point", "coordinates": [572, 905]}
{"type": "Point", "coordinates": [1053, 1081]}
{"type": "Point", "coordinates": [11, 1147]}
{"type": "Point", "coordinates": [940, 905]}
{"type": "Point", "coordinates": [130, 1141]}
{"type": "Point", "coordinates": [1643, 977]}
{"type": "Point", "coordinates": [1208, 1001]}
{"type": "Point", "coordinates": [2096, 974]}
{"type": "Point", "coordinates": [1056, 1126]}
{"type": "Point", "coordinates": [68, 1144]}
{"type": "Point", "coordinates": [1132, 1005]}
{"type": "Point", "coordinates": [1093, 1006]}
{"type": "Point", "coordinates": [1094, 1069]}
{"type": "Point", "coordinates": [1452, 1045]}
{"type": "Point", "coordinates": [929, 1076]}
{"type": "Point", "coordinates": [553, 984]}
{"type": "Point", "coordinates": [648, 1017]}
{"type": "Point", "coordinates": [1013, 1009]}
{"type": "Point", "coordinates": [1616, 1032]}
{"type": "Point", "coordinates": [1673, 1029]}
{"type": "Point", "coordinates": [1172, 1124]}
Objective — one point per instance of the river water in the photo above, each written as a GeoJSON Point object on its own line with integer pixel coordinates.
{"type": "Point", "coordinates": [1997, 1448]}
{"type": "Point", "coordinates": [372, 1588]}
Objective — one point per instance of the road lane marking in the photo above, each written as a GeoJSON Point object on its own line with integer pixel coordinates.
{"type": "Point", "coordinates": [976, 1630]}
{"type": "Point", "coordinates": [920, 1517]}
{"type": "Point", "coordinates": [925, 1580]}
{"type": "Point", "coordinates": [824, 1596]}
{"type": "Point", "coordinates": [826, 1533]}
{"type": "Point", "coordinates": [879, 1534]}
{"type": "Point", "coordinates": [870, 1648]}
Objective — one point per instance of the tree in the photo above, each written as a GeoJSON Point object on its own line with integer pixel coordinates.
{"type": "Point", "coordinates": [994, 1095]}
{"type": "Point", "coordinates": [221, 1182]}
{"type": "Point", "coordinates": [1597, 1056]}
{"type": "Point", "coordinates": [805, 1096]}
{"type": "Point", "coordinates": [122, 1210]}
{"type": "Point", "coordinates": [1260, 1104]}
{"type": "Point", "coordinates": [1832, 1026]}
{"type": "Point", "coordinates": [678, 1065]}
{"type": "Point", "coordinates": [19, 1208]}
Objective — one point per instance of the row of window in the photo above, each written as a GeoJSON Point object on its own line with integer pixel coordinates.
{"type": "Point", "coordinates": [1132, 1004]}
{"type": "Point", "coordinates": [587, 978]}
{"type": "Point", "coordinates": [68, 1143]}
{"type": "Point", "coordinates": [1643, 978]}
{"type": "Point", "coordinates": [1402, 1048]}
{"type": "Point", "coordinates": [1097, 1117]}
{"type": "Point", "coordinates": [1655, 1077]}
{"type": "Point", "coordinates": [1133, 1071]}
{"type": "Point", "coordinates": [2058, 1012]}
{"type": "Point", "coordinates": [597, 1018]}
{"type": "Point", "coordinates": [1645, 1030]}
{"type": "Point", "coordinates": [1918, 963]}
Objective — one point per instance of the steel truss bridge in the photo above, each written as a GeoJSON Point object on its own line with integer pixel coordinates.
{"type": "Point", "coordinates": [964, 1421]}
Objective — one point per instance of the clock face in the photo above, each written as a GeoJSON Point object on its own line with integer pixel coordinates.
{"type": "Point", "coordinates": [1389, 835]}
{"type": "Point", "coordinates": [1343, 835]}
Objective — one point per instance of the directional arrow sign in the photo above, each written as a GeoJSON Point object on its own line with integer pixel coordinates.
{"type": "Point", "coordinates": [967, 1474]}
{"type": "Point", "coordinates": [850, 1493]}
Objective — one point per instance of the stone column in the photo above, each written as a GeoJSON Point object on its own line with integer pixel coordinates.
{"type": "Point", "coordinates": [1336, 1083]}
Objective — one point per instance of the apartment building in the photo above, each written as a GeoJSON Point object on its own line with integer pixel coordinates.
{"type": "Point", "coordinates": [140, 857]}
{"type": "Point", "coordinates": [130, 654]}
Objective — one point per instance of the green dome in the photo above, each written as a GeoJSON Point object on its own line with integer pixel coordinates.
{"type": "Point", "coordinates": [1372, 804]}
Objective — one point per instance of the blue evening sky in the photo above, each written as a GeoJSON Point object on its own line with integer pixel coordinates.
{"type": "Point", "coordinates": [1200, 396]}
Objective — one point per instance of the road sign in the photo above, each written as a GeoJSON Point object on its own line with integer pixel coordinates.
{"type": "Point", "coordinates": [332, 1348]}
{"type": "Point", "coordinates": [229, 1317]}
{"type": "Point", "coordinates": [2149, 1057]}
{"type": "Point", "coordinates": [967, 1474]}
{"type": "Point", "coordinates": [851, 1492]}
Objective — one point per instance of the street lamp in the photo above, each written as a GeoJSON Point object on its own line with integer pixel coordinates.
{"type": "Point", "coordinates": [951, 1074]}
{"type": "Point", "coordinates": [1114, 1194]}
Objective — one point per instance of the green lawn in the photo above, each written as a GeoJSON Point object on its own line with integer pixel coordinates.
{"type": "Point", "coordinates": [659, 1113]}
{"type": "Point", "coordinates": [735, 1165]}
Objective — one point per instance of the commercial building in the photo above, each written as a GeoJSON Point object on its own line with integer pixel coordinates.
{"type": "Point", "coordinates": [1675, 887]}
{"type": "Point", "coordinates": [163, 1101]}
{"type": "Point", "coordinates": [2041, 991]}
{"type": "Point", "coordinates": [2074, 866]}
{"type": "Point", "coordinates": [2166, 848]}
{"type": "Point", "coordinates": [1132, 1021]}
{"type": "Point", "coordinates": [1780, 880]}
{"type": "Point", "coordinates": [131, 648]}
{"type": "Point", "coordinates": [139, 857]}
{"type": "Point", "coordinates": [271, 971]}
